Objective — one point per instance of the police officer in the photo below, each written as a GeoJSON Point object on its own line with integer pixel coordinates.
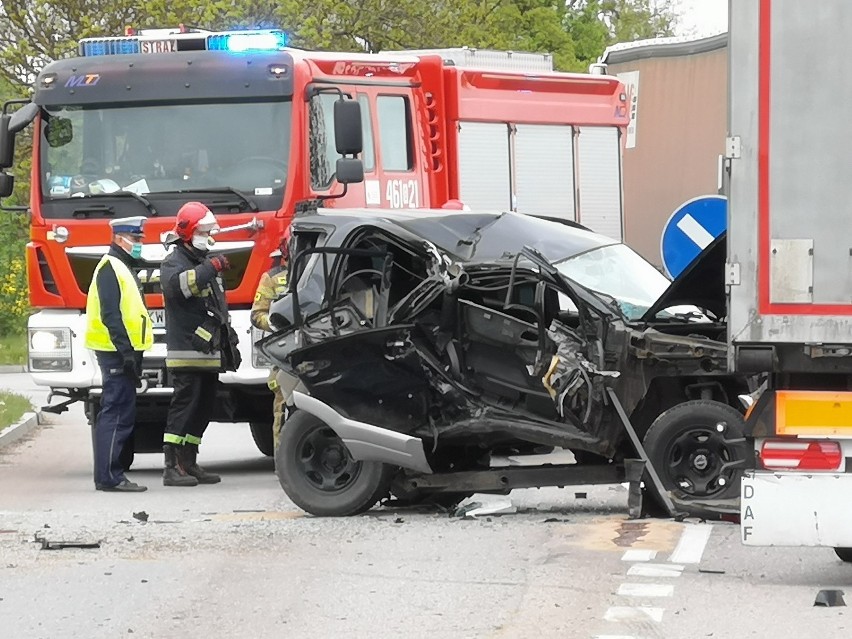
{"type": "Point", "coordinates": [200, 342]}
{"type": "Point", "coordinates": [273, 284]}
{"type": "Point", "coordinates": [118, 329]}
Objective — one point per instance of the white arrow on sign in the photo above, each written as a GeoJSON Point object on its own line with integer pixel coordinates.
{"type": "Point", "coordinates": [694, 231]}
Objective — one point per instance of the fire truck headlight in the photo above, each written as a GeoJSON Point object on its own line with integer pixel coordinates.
{"type": "Point", "coordinates": [50, 349]}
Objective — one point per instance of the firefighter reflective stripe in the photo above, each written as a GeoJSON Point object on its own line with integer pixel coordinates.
{"type": "Point", "coordinates": [280, 285]}
{"type": "Point", "coordinates": [134, 315]}
{"type": "Point", "coordinates": [193, 359]}
{"type": "Point", "coordinates": [192, 439]}
{"type": "Point", "coordinates": [272, 383]}
{"type": "Point", "coordinates": [189, 284]}
{"type": "Point", "coordinates": [204, 334]}
{"type": "Point", "coordinates": [168, 438]}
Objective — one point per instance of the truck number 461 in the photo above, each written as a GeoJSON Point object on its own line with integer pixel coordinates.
{"type": "Point", "coordinates": [401, 194]}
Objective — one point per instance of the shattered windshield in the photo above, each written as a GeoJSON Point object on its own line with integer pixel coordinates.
{"type": "Point", "coordinates": [620, 273]}
{"type": "Point", "coordinates": [165, 147]}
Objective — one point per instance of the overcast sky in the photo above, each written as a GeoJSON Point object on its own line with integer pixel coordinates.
{"type": "Point", "coordinates": [703, 17]}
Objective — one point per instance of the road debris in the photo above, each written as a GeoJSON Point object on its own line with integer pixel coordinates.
{"type": "Point", "coordinates": [141, 516]}
{"type": "Point", "coordinates": [46, 544]}
{"type": "Point", "coordinates": [829, 598]}
{"type": "Point", "coordinates": [474, 509]}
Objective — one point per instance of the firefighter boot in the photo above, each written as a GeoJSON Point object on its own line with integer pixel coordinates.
{"type": "Point", "coordinates": [173, 474]}
{"type": "Point", "coordinates": [188, 455]}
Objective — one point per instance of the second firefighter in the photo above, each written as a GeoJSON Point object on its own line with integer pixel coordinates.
{"type": "Point", "coordinates": [199, 339]}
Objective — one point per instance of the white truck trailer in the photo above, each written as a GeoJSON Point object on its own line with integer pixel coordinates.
{"type": "Point", "coordinates": [790, 266]}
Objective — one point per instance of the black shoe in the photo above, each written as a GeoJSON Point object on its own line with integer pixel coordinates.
{"type": "Point", "coordinates": [125, 486]}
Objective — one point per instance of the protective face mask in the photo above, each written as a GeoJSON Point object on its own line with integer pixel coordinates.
{"type": "Point", "coordinates": [136, 250]}
{"type": "Point", "coordinates": [202, 242]}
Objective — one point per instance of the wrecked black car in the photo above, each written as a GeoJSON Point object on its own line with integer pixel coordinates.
{"type": "Point", "coordinates": [424, 344]}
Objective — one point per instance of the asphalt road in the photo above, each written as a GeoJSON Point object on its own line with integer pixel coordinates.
{"type": "Point", "coordinates": [238, 559]}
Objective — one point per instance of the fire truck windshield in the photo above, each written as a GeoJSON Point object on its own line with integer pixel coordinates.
{"type": "Point", "coordinates": [161, 148]}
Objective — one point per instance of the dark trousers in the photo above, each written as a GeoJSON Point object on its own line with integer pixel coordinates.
{"type": "Point", "coordinates": [115, 421]}
{"type": "Point", "coordinates": [192, 406]}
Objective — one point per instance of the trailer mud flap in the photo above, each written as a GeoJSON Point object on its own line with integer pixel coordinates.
{"type": "Point", "coordinates": [796, 509]}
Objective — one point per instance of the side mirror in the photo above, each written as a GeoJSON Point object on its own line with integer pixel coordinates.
{"type": "Point", "coordinates": [7, 143]}
{"type": "Point", "coordinates": [22, 117]}
{"type": "Point", "coordinates": [349, 170]}
{"type": "Point", "coordinates": [7, 184]}
{"type": "Point", "coordinates": [347, 127]}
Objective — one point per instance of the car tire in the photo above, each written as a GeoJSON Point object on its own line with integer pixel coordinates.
{"type": "Point", "coordinates": [686, 449]}
{"type": "Point", "coordinates": [319, 475]}
{"type": "Point", "coordinates": [844, 554]}
{"type": "Point", "coordinates": [261, 433]}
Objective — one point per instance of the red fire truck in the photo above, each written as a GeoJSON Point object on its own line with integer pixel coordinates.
{"type": "Point", "coordinates": [140, 124]}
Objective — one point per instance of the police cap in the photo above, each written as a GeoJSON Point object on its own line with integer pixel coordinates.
{"type": "Point", "coordinates": [129, 225]}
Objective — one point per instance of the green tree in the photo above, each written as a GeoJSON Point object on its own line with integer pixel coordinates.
{"type": "Point", "coordinates": [34, 32]}
{"type": "Point", "coordinates": [14, 231]}
{"type": "Point", "coordinates": [596, 24]}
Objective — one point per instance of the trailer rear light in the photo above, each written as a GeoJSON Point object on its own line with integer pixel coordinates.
{"type": "Point", "coordinates": [801, 454]}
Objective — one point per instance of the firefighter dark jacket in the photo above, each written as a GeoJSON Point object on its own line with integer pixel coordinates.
{"type": "Point", "coordinates": [198, 328]}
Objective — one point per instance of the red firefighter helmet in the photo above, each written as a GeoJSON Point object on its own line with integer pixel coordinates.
{"type": "Point", "coordinates": [192, 217]}
{"type": "Point", "coordinates": [456, 205]}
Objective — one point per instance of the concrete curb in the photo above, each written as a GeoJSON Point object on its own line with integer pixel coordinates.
{"type": "Point", "coordinates": [14, 368]}
{"type": "Point", "coordinates": [13, 433]}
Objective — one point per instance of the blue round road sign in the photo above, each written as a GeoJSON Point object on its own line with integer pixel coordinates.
{"type": "Point", "coordinates": [690, 229]}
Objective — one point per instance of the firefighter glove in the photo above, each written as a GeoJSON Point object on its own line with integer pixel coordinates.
{"type": "Point", "coordinates": [220, 263]}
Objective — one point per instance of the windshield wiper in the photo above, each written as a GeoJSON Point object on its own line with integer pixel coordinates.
{"type": "Point", "coordinates": [219, 189]}
{"type": "Point", "coordinates": [125, 194]}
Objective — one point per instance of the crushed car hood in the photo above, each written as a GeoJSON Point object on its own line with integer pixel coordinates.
{"type": "Point", "coordinates": [701, 284]}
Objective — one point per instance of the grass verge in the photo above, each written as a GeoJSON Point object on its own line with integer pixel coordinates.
{"type": "Point", "coordinates": [13, 350]}
{"type": "Point", "coordinates": [12, 407]}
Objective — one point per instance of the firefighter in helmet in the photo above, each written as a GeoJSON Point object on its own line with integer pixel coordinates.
{"type": "Point", "coordinates": [200, 342]}
{"type": "Point", "coordinates": [273, 285]}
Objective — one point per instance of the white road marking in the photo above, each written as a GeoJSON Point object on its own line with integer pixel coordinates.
{"type": "Point", "coordinates": [692, 543]}
{"type": "Point", "coordinates": [634, 613]}
{"type": "Point", "coordinates": [654, 570]}
{"type": "Point", "coordinates": [638, 554]}
{"type": "Point", "coordinates": [694, 231]}
{"type": "Point", "coordinates": [645, 590]}
{"type": "Point", "coordinates": [615, 637]}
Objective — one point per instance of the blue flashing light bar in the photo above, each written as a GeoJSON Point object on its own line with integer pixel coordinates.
{"type": "Point", "coordinates": [230, 41]}
{"type": "Point", "coordinates": [110, 46]}
{"type": "Point", "coordinates": [247, 41]}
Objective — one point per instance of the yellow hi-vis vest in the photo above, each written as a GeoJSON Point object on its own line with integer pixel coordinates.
{"type": "Point", "coordinates": [134, 315]}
